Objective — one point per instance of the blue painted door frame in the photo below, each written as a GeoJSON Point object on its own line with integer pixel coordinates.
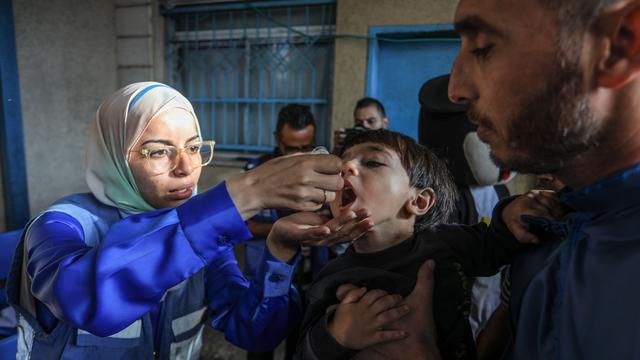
{"type": "Point", "coordinates": [397, 69]}
{"type": "Point", "coordinates": [14, 175]}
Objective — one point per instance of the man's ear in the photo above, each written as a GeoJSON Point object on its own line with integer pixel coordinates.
{"type": "Point", "coordinates": [621, 63]}
{"type": "Point", "coordinates": [385, 122]}
{"type": "Point", "coordinates": [421, 202]}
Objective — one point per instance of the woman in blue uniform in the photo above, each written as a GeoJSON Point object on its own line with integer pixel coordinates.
{"type": "Point", "coordinates": [135, 268]}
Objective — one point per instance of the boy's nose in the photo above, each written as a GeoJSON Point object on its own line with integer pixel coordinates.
{"type": "Point", "coordinates": [349, 168]}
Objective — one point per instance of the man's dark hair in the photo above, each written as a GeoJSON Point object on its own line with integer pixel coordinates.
{"type": "Point", "coordinates": [296, 116]}
{"type": "Point", "coordinates": [424, 168]}
{"type": "Point", "coordinates": [366, 102]}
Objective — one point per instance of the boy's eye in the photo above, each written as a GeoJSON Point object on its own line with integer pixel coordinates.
{"type": "Point", "coordinates": [482, 52]}
{"type": "Point", "coordinates": [372, 163]}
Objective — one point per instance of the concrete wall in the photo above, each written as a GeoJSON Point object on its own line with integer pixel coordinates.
{"type": "Point", "coordinates": [66, 52]}
{"type": "Point", "coordinates": [140, 41]}
{"type": "Point", "coordinates": [355, 17]}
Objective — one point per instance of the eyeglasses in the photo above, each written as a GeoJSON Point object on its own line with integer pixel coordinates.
{"type": "Point", "coordinates": [164, 159]}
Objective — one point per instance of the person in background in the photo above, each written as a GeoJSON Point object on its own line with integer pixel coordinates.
{"type": "Point", "coordinates": [369, 114]}
{"type": "Point", "coordinates": [135, 268]}
{"type": "Point", "coordinates": [295, 133]}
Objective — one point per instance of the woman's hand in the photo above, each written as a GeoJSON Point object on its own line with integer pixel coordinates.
{"type": "Point", "coordinates": [307, 228]}
{"type": "Point", "coordinates": [298, 182]}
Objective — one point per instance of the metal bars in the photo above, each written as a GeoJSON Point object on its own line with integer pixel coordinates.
{"type": "Point", "coordinates": [239, 66]}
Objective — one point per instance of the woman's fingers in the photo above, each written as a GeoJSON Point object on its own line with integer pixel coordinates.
{"type": "Point", "coordinates": [347, 226]}
{"type": "Point", "coordinates": [301, 182]}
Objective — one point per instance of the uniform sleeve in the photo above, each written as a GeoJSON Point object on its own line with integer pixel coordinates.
{"type": "Point", "coordinates": [482, 249]}
{"type": "Point", "coordinates": [105, 288]}
{"type": "Point", "coordinates": [254, 315]}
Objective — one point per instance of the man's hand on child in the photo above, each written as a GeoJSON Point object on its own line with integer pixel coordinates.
{"type": "Point", "coordinates": [312, 229]}
{"type": "Point", "coordinates": [359, 320]}
{"type": "Point", "coordinates": [542, 203]}
{"type": "Point", "coordinates": [421, 340]}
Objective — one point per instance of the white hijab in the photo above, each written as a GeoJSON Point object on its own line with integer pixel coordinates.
{"type": "Point", "coordinates": [120, 122]}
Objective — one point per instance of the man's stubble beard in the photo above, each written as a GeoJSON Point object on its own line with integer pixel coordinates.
{"type": "Point", "coordinates": [553, 127]}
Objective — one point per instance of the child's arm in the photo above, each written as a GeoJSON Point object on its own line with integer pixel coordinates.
{"type": "Point", "coordinates": [540, 203]}
{"type": "Point", "coordinates": [482, 250]}
{"type": "Point", "coordinates": [357, 322]}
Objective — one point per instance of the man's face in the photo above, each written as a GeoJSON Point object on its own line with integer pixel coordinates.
{"type": "Point", "coordinates": [291, 141]}
{"type": "Point", "coordinates": [370, 118]}
{"type": "Point", "coordinates": [525, 90]}
{"type": "Point", "coordinates": [375, 180]}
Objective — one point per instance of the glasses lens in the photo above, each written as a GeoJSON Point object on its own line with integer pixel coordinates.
{"type": "Point", "coordinates": [161, 159]}
{"type": "Point", "coordinates": [206, 152]}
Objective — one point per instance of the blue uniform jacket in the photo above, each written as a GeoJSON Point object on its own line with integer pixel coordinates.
{"type": "Point", "coordinates": [103, 288]}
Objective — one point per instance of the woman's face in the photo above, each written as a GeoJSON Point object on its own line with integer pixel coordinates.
{"type": "Point", "coordinates": [177, 128]}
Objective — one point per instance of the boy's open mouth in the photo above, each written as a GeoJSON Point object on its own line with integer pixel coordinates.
{"type": "Point", "coordinates": [348, 195]}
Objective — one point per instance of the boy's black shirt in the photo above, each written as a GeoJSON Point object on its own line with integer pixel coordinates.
{"type": "Point", "coordinates": [461, 253]}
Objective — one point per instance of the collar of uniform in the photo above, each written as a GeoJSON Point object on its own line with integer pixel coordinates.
{"type": "Point", "coordinates": [617, 191]}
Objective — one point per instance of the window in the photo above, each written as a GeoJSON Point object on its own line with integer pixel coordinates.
{"type": "Point", "coordinates": [239, 63]}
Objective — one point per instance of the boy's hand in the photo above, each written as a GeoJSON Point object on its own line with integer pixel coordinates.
{"type": "Point", "coordinates": [312, 229]}
{"type": "Point", "coordinates": [359, 319]}
{"type": "Point", "coordinates": [541, 203]}
{"type": "Point", "coordinates": [421, 340]}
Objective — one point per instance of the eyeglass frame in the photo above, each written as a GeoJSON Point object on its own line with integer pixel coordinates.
{"type": "Point", "coordinates": [146, 153]}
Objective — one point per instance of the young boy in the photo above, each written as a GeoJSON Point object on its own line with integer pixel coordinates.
{"type": "Point", "coordinates": [410, 194]}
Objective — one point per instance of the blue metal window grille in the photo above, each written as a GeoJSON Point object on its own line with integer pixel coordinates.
{"type": "Point", "coordinates": [239, 63]}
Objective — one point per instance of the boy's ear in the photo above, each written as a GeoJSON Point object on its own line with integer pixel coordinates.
{"type": "Point", "coordinates": [621, 60]}
{"type": "Point", "coordinates": [422, 202]}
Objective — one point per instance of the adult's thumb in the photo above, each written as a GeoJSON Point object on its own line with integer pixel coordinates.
{"type": "Point", "coordinates": [424, 283]}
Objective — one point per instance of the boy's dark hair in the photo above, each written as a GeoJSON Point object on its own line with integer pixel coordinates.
{"type": "Point", "coordinates": [424, 168]}
{"type": "Point", "coordinates": [296, 116]}
{"type": "Point", "coordinates": [366, 102]}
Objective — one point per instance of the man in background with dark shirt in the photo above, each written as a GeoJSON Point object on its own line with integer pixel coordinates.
{"type": "Point", "coordinates": [295, 131]}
